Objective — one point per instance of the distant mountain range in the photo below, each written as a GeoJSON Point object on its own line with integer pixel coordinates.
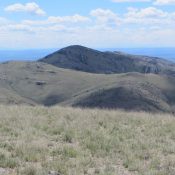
{"type": "Point", "coordinates": [21, 55]}
{"type": "Point", "coordinates": [34, 54]}
{"type": "Point", "coordinates": [80, 76]}
{"type": "Point", "coordinates": [166, 53]}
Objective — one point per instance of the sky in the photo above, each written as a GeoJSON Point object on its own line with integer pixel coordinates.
{"type": "Point", "coordinates": [40, 24]}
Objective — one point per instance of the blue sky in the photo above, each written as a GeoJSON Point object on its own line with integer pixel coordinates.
{"type": "Point", "coordinates": [94, 23]}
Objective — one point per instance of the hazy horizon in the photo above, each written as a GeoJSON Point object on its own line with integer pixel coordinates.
{"type": "Point", "coordinates": [34, 54]}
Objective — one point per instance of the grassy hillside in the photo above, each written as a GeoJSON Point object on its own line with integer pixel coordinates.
{"type": "Point", "coordinates": [39, 83]}
{"type": "Point", "coordinates": [36, 140]}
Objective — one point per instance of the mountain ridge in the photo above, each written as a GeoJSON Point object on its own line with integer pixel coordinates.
{"type": "Point", "coordinates": [84, 59]}
{"type": "Point", "coordinates": [40, 83]}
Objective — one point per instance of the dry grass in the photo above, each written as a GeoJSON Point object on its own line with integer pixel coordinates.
{"type": "Point", "coordinates": [36, 140]}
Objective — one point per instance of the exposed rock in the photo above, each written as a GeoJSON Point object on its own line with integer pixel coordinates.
{"type": "Point", "coordinates": [40, 83]}
{"type": "Point", "coordinates": [3, 171]}
{"type": "Point", "coordinates": [53, 173]}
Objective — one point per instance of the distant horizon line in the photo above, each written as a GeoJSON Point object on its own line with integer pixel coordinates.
{"type": "Point", "coordinates": [29, 54]}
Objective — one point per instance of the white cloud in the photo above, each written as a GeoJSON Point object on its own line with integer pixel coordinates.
{"type": "Point", "coordinates": [121, 1]}
{"type": "Point", "coordinates": [155, 2]}
{"type": "Point", "coordinates": [105, 17]}
{"type": "Point", "coordinates": [101, 28]}
{"type": "Point", "coordinates": [57, 36]}
{"type": "Point", "coordinates": [4, 21]}
{"type": "Point", "coordinates": [149, 16]}
{"type": "Point", "coordinates": [145, 16]}
{"type": "Point", "coordinates": [59, 19]}
{"type": "Point", "coordinates": [149, 12]}
{"type": "Point", "coordinates": [164, 2]}
{"type": "Point", "coordinates": [19, 27]}
{"type": "Point", "coordinates": [73, 19]}
{"type": "Point", "coordinates": [103, 14]}
{"type": "Point", "coordinates": [32, 8]}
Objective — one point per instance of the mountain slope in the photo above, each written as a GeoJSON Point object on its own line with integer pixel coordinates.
{"type": "Point", "coordinates": [39, 83]}
{"type": "Point", "coordinates": [93, 61]}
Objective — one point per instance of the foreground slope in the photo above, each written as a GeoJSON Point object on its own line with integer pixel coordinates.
{"type": "Point", "coordinates": [89, 60]}
{"type": "Point", "coordinates": [39, 83]}
{"type": "Point", "coordinates": [36, 140]}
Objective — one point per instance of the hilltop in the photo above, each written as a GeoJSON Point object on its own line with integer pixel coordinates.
{"type": "Point", "coordinates": [89, 60]}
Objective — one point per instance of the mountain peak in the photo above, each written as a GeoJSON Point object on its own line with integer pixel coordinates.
{"type": "Point", "coordinates": [77, 48]}
{"type": "Point", "coordinates": [84, 59]}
